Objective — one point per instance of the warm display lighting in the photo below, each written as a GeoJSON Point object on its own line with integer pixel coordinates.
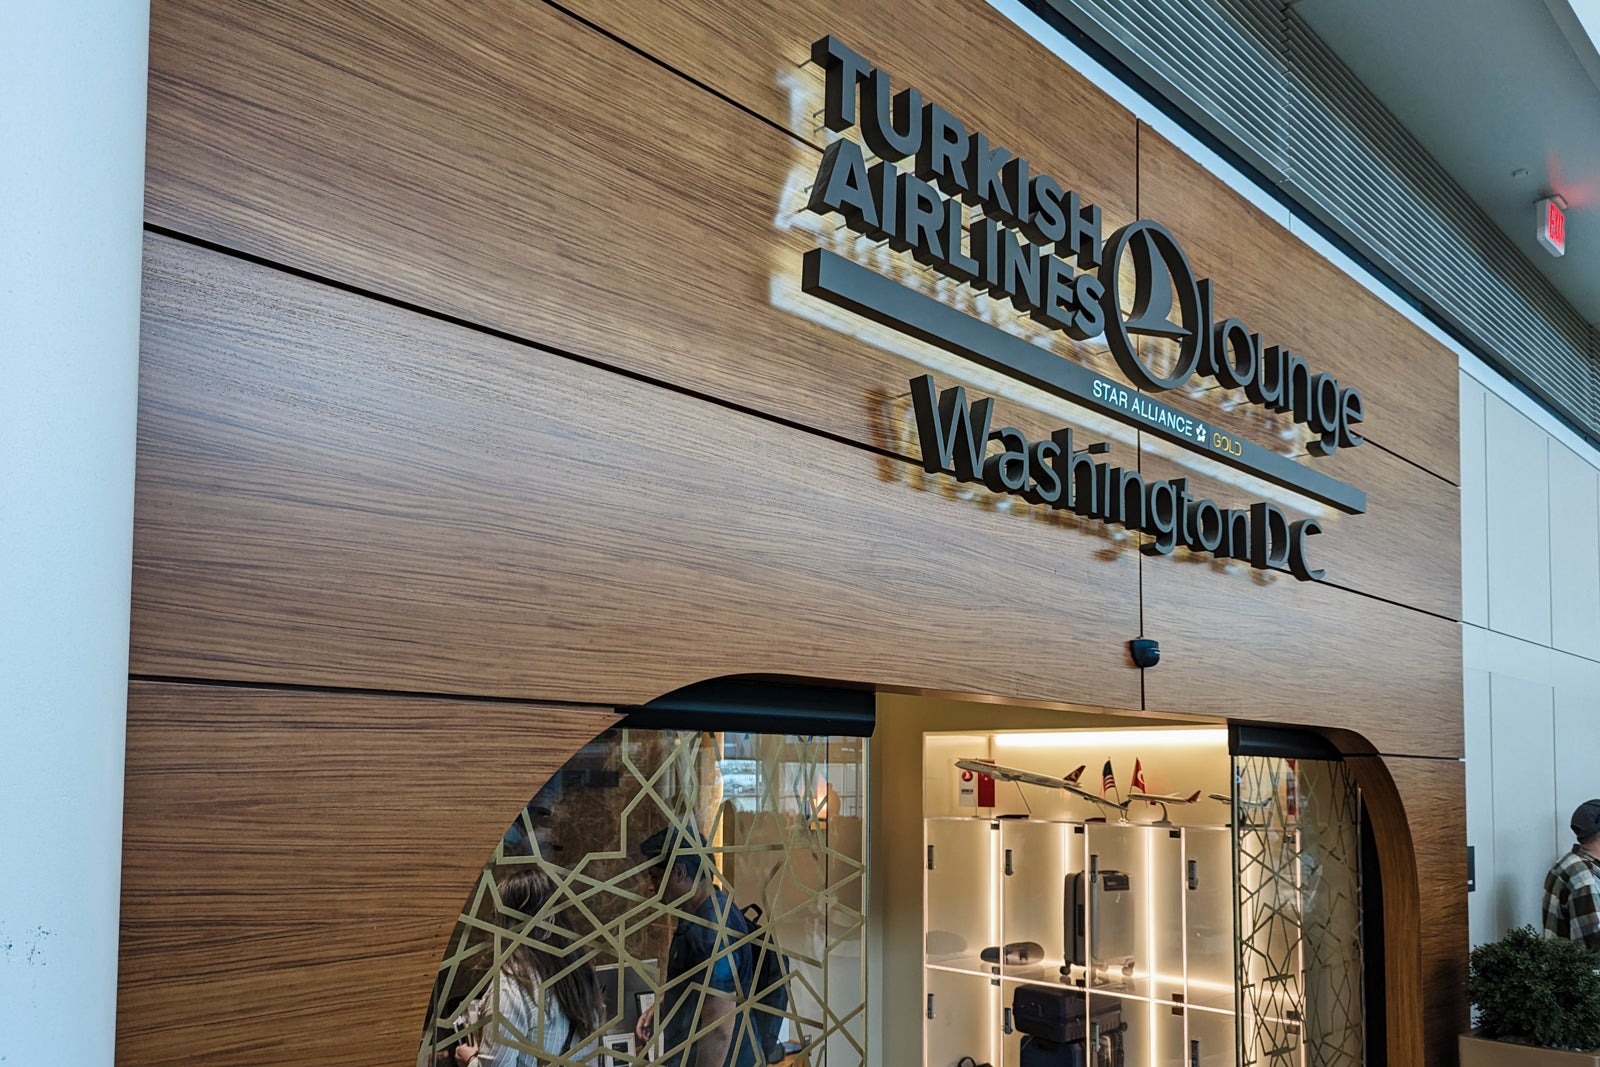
{"type": "Point", "coordinates": [1145, 738]}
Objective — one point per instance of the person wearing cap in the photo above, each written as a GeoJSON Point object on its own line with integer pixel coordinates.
{"type": "Point", "coordinates": [709, 973]}
{"type": "Point", "coordinates": [1572, 888]}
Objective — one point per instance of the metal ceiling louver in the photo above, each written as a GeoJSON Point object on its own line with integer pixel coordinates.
{"type": "Point", "coordinates": [1256, 77]}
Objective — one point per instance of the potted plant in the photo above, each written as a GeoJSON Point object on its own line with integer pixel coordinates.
{"type": "Point", "coordinates": [1537, 1001]}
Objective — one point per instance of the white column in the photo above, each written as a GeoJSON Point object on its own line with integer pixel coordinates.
{"type": "Point", "coordinates": [72, 110]}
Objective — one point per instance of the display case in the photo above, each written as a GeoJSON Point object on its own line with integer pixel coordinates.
{"type": "Point", "coordinates": [960, 907]}
{"type": "Point", "coordinates": [1059, 931]}
{"type": "Point", "coordinates": [1208, 923]}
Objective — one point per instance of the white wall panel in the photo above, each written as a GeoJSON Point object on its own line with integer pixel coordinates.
{"type": "Point", "coordinates": [1577, 731]}
{"type": "Point", "coordinates": [1518, 490]}
{"type": "Point", "coordinates": [1480, 802]}
{"type": "Point", "coordinates": [73, 83]}
{"type": "Point", "coordinates": [1525, 843]}
{"type": "Point", "coordinates": [1474, 505]}
{"type": "Point", "coordinates": [1574, 553]}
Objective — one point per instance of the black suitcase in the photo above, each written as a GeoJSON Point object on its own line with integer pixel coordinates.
{"type": "Point", "coordinates": [1053, 1013]}
{"type": "Point", "coordinates": [1053, 1020]}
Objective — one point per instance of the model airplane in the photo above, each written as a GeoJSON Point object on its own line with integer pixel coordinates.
{"type": "Point", "coordinates": [1164, 799]}
{"type": "Point", "coordinates": [1248, 805]}
{"type": "Point", "coordinates": [1069, 783]}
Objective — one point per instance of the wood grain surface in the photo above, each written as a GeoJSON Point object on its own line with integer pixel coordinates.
{"type": "Point", "coordinates": [963, 55]}
{"type": "Point", "coordinates": [1302, 653]}
{"type": "Point", "coordinates": [1283, 289]}
{"type": "Point", "coordinates": [335, 491]}
{"type": "Point", "coordinates": [338, 492]}
{"type": "Point", "coordinates": [293, 862]}
{"type": "Point", "coordinates": [702, 285]}
{"type": "Point", "coordinates": [973, 60]}
{"type": "Point", "coordinates": [1405, 549]}
{"type": "Point", "coordinates": [542, 180]}
{"type": "Point", "coordinates": [1418, 809]}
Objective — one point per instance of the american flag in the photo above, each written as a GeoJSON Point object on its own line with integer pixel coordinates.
{"type": "Point", "coordinates": [1138, 777]}
{"type": "Point", "coordinates": [1108, 781]}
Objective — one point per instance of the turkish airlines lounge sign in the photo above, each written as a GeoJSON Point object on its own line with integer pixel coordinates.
{"type": "Point", "coordinates": [1038, 247]}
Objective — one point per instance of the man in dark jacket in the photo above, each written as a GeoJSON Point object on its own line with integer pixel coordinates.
{"type": "Point", "coordinates": [709, 973]}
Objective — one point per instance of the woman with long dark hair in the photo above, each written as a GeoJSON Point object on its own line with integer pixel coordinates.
{"type": "Point", "coordinates": [532, 1015]}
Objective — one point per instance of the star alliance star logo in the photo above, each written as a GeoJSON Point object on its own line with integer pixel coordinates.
{"type": "Point", "coordinates": [1200, 432]}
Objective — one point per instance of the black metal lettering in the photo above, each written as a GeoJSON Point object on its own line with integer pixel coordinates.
{"type": "Point", "coordinates": [1090, 319]}
{"type": "Point", "coordinates": [1058, 306]}
{"type": "Point", "coordinates": [1019, 188]}
{"type": "Point", "coordinates": [892, 129]}
{"type": "Point", "coordinates": [1206, 518]}
{"type": "Point", "coordinates": [1351, 412]}
{"type": "Point", "coordinates": [959, 265]}
{"type": "Point", "coordinates": [922, 209]}
{"type": "Point", "coordinates": [1047, 224]}
{"type": "Point", "coordinates": [1267, 387]}
{"type": "Point", "coordinates": [1019, 275]}
{"type": "Point", "coordinates": [1235, 353]}
{"type": "Point", "coordinates": [1046, 485]}
{"type": "Point", "coordinates": [842, 69]}
{"type": "Point", "coordinates": [1083, 232]}
{"type": "Point", "coordinates": [942, 158]}
{"type": "Point", "coordinates": [1269, 537]}
{"type": "Point", "coordinates": [1161, 518]}
{"type": "Point", "coordinates": [948, 421]}
{"type": "Point", "coordinates": [1298, 532]}
{"type": "Point", "coordinates": [1235, 534]}
{"type": "Point", "coordinates": [1008, 471]}
{"type": "Point", "coordinates": [983, 176]}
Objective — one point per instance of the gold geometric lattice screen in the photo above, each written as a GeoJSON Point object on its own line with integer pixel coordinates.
{"type": "Point", "coordinates": [769, 820]}
{"type": "Point", "coordinates": [1298, 885]}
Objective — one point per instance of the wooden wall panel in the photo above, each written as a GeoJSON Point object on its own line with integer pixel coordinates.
{"type": "Point", "coordinates": [1418, 809]}
{"type": "Point", "coordinates": [342, 169]}
{"type": "Point", "coordinates": [1283, 289]}
{"type": "Point", "coordinates": [1279, 650]}
{"type": "Point", "coordinates": [542, 180]}
{"type": "Point", "coordinates": [1405, 549]}
{"type": "Point", "coordinates": [334, 491]}
{"type": "Point", "coordinates": [963, 55]}
{"type": "Point", "coordinates": [293, 862]}
{"type": "Point", "coordinates": [337, 492]}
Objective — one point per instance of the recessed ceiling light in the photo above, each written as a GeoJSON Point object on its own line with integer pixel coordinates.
{"type": "Point", "coordinates": [1520, 172]}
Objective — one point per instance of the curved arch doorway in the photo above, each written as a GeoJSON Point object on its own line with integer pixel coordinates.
{"type": "Point", "coordinates": [1192, 902]}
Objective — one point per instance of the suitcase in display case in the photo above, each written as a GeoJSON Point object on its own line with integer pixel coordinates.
{"type": "Point", "coordinates": [1060, 1031]}
{"type": "Point", "coordinates": [1102, 920]}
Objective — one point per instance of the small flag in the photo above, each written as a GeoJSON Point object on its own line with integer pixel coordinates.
{"type": "Point", "coordinates": [1108, 781]}
{"type": "Point", "coordinates": [1138, 777]}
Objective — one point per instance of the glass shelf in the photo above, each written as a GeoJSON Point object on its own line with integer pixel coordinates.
{"type": "Point", "coordinates": [1214, 1035]}
{"type": "Point", "coordinates": [962, 1018]}
{"type": "Point", "coordinates": [961, 908]}
{"type": "Point", "coordinates": [1208, 922]}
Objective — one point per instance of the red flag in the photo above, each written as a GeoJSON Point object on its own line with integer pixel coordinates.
{"type": "Point", "coordinates": [1138, 777]}
{"type": "Point", "coordinates": [1108, 781]}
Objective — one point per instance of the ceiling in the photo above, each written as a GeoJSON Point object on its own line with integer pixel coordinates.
{"type": "Point", "coordinates": [1491, 88]}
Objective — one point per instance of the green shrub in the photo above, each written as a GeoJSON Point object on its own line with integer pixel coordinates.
{"type": "Point", "coordinates": [1535, 989]}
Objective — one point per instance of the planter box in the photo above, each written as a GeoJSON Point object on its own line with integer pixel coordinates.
{"type": "Point", "coordinates": [1480, 1052]}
